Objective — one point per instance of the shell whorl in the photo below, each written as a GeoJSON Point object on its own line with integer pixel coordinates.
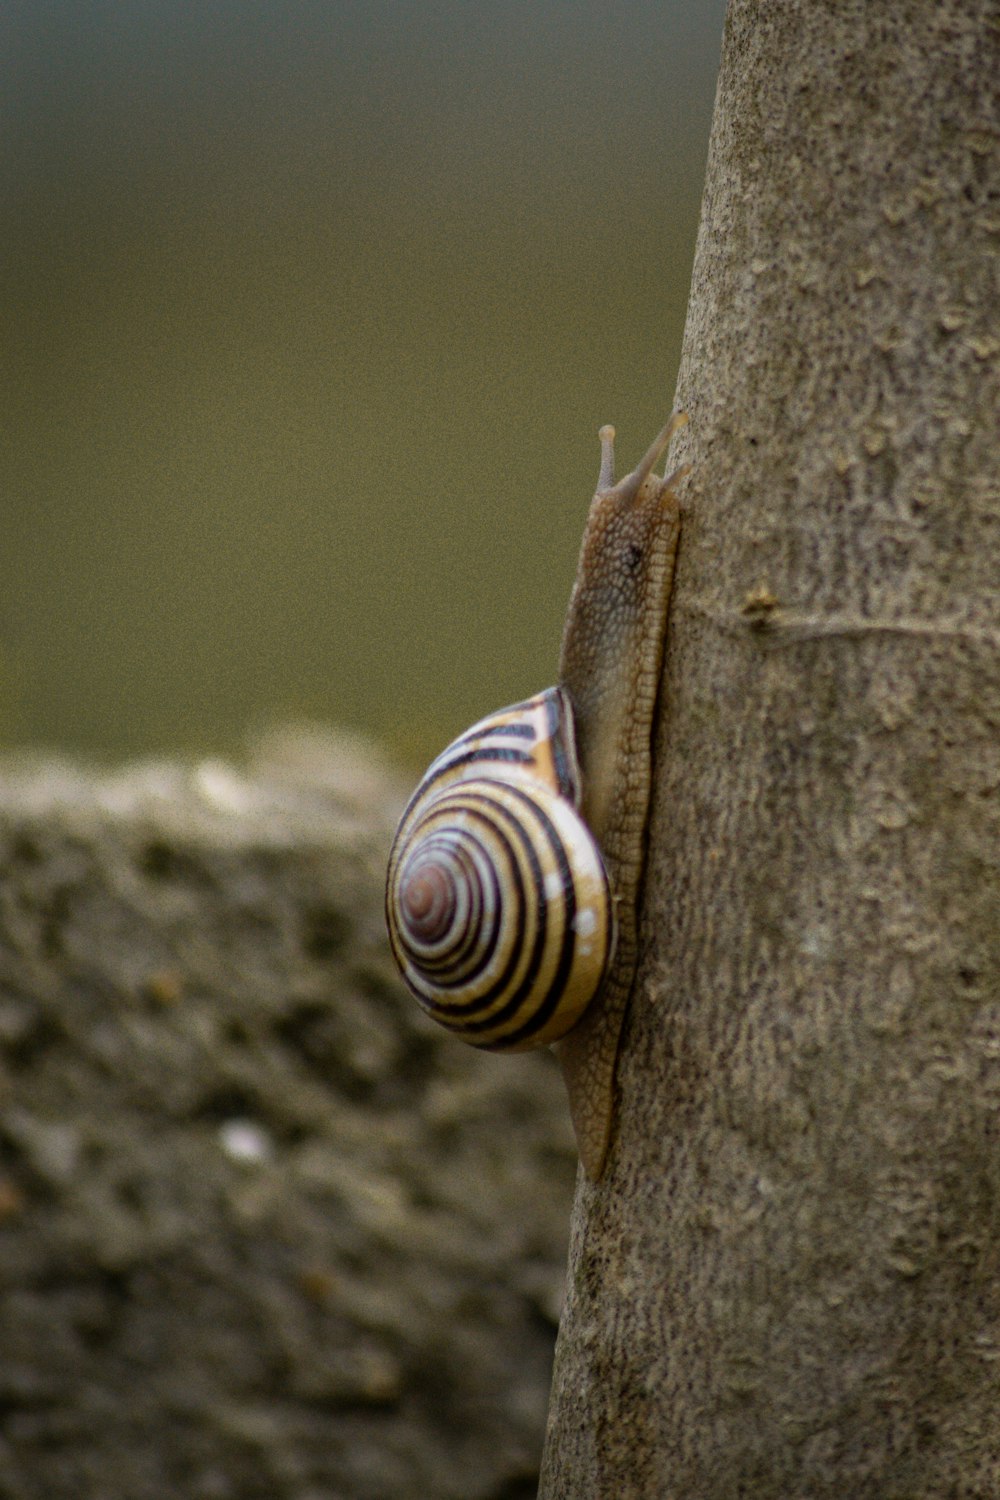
{"type": "Point", "coordinates": [497, 900]}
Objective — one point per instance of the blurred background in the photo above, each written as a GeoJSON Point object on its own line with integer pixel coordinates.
{"type": "Point", "coordinates": [310, 315]}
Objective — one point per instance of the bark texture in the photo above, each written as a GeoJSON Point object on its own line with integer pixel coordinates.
{"type": "Point", "coordinates": [788, 1281]}
{"type": "Point", "coordinates": [264, 1231]}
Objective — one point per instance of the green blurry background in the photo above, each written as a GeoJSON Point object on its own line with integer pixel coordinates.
{"type": "Point", "coordinates": [311, 312]}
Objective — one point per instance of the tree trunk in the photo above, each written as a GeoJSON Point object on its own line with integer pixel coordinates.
{"type": "Point", "coordinates": [788, 1281]}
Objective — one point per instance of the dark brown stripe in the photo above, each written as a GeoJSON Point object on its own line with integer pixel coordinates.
{"type": "Point", "coordinates": [543, 1011]}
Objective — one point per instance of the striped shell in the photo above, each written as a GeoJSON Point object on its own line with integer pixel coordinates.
{"type": "Point", "coordinates": [497, 900]}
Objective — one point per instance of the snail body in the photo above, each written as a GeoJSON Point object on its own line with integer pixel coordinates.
{"type": "Point", "coordinates": [516, 870]}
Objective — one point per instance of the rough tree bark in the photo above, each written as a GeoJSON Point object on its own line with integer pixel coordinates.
{"type": "Point", "coordinates": [788, 1281]}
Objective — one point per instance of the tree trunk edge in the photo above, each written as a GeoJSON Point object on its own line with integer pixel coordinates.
{"type": "Point", "coordinates": [786, 1283]}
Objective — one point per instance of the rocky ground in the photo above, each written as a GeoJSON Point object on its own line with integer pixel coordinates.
{"type": "Point", "coordinates": [263, 1232]}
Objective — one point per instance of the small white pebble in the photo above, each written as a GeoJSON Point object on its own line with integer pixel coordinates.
{"type": "Point", "coordinates": [245, 1141]}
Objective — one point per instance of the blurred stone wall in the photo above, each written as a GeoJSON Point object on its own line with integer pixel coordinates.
{"type": "Point", "coordinates": [263, 1232]}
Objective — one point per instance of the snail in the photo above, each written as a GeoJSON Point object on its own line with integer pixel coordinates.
{"type": "Point", "coordinates": [515, 872]}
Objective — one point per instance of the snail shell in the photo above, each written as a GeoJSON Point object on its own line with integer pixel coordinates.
{"type": "Point", "coordinates": [497, 900]}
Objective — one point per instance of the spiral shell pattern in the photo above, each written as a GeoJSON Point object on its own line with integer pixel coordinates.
{"type": "Point", "coordinates": [497, 900]}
